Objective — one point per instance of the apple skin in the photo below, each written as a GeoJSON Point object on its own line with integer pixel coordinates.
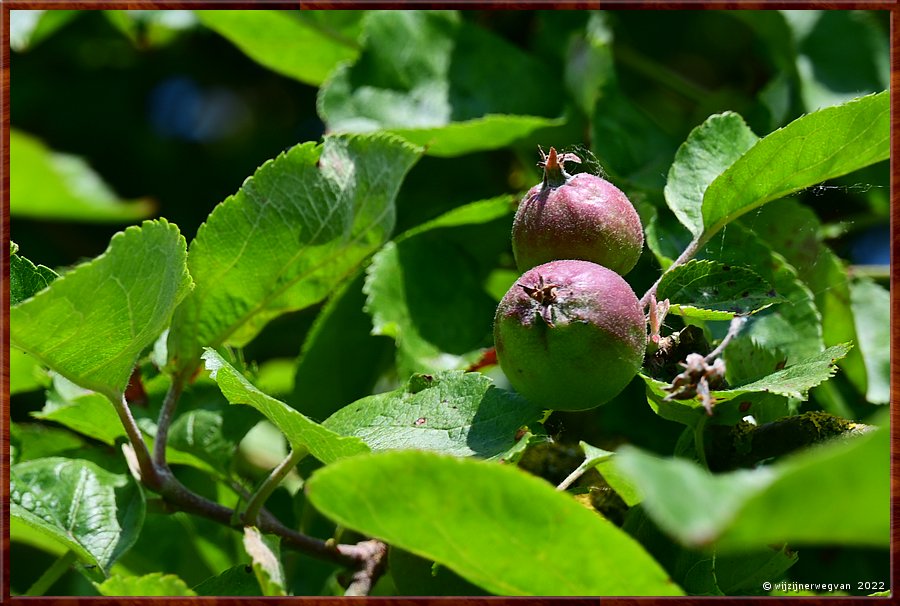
{"type": "Point", "coordinates": [570, 335]}
{"type": "Point", "coordinates": [585, 217]}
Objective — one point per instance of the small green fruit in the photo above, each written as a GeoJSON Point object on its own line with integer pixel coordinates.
{"type": "Point", "coordinates": [570, 335]}
{"type": "Point", "coordinates": [576, 217]}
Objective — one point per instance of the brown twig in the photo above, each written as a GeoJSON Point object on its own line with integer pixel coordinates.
{"type": "Point", "coordinates": [165, 419]}
{"type": "Point", "coordinates": [367, 558]}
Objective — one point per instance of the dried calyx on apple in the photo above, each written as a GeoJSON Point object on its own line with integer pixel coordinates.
{"type": "Point", "coordinates": [570, 334]}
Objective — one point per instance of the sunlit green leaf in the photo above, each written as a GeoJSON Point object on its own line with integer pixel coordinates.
{"type": "Point", "coordinates": [555, 546]}
{"type": "Point", "coordinates": [301, 432]}
{"type": "Point", "coordinates": [871, 306]}
{"type": "Point", "coordinates": [455, 413]}
{"type": "Point", "coordinates": [603, 462]}
{"type": "Point", "coordinates": [26, 279]}
{"type": "Point", "coordinates": [709, 150]}
{"type": "Point", "coordinates": [92, 324]}
{"type": "Point", "coordinates": [288, 42]}
{"type": "Point", "coordinates": [822, 145]}
{"type": "Point", "coordinates": [793, 327]}
{"type": "Point", "coordinates": [730, 405]}
{"type": "Point", "coordinates": [832, 494]}
{"type": "Point", "coordinates": [95, 513]}
{"type": "Point", "coordinates": [211, 435]}
{"type": "Point", "coordinates": [294, 230]}
{"type": "Point", "coordinates": [795, 380]}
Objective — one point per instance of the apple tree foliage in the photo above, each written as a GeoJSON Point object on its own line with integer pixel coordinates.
{"type": "Point", "coordinates": [298, 396]}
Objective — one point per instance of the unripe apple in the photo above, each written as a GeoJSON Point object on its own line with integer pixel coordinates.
{"type": "Point", "coordinates": [576, 217]}
{"type": "Point", "coordinates": [570, 335]}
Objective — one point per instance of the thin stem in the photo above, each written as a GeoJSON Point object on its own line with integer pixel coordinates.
{"type": "Point", "coordinates": [570, 479]}
{"type": "Point", "coordinates": [165, 419]}
{"type": "Point", "coordinates": [271, 483]}
{"type": "Point", "coordinates": [182, 498]}
{"type": "Point", "coordinates": [733, 329]}
{"type": "Point", "coordinates": [685, 256]}
{"type": "Point", "coordinates": [149, 474]}
{"type": "Point", "coordinates": [52, 574]}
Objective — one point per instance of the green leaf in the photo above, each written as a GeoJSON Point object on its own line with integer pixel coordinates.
{"type": "Point", "coordinates": [753, 398]}
{"type": "Point", "coordinates": [238, 580]}
{"type": "Point", "coordinates": [794, 231]}
{"type": "Point", "coordinates": [491, 131]}
{"type": "Point", "coordinates": [36, 441]}
{"type": "Point", "coordinates": [795, 380]}
{"type": "Point", "coordinates": [211, 435]}
{"type": "Point", "coordinates": [555, 546]}
{"type": "Point", "coordinates": [710, 149]}
{"type": "Point", "coordinates": [302, 433]}
{"type": "Point", "coordinates": [701, 572]}
{"type": "Point", "coordinates": [795, 327]}
{"type": "Point", "coordinates": [49, 185]}
{"type": "Point", "coordinates": [153, 584]}
{"type": "Point", "coordinates": [715, 291]}
{"type": "Point", "coordinates": [86, 412]}
{"type": "Point", "coordinates": [405, 293]}
{"type": "Point", "coordinates": [603, 462]}
{"type": "Point", "coordinates": [822, 145]}
{"type": "Point", "coordinates": [276, 375]}
{"type": "Point", "coordinates": [92, 324]}
{"type": "Point", "coordinates": [834, 494]}
{"type": "Point", "coordinates": [829, 74]}
{"type": "Point", "coordinates": [746, 361]}
{"type": "Point", "coordinates": [25, 373]}
{"type": "Point", "coordinates": [589, 61]}
{"type": "Point", "coordinates": [729, 408]}
{"type": "Point", "coordinates": [871, 306]}
{"type": "Point", "coordinates": [288, 42]}
{"type": "Point", "coordinates": [295, 230]}
{"type": "Point", "coordinates": [149, 28]}
{"type": "Point", "coordinates": [444, 96]}
{"type": "Point", "coordinates": [95, 513]}
{"type": "Point", "coordinates": [265, 553]}
{"type": "Point", "coordinates": [340, 339]}
{"type": "Point", "coordinates": [742, 574]}
{"type": "Point", "coordinates": [455, 413]}
{"type": "Point", "coordinates": [25, 280]}
{"type": "Point", "coordinates": [28, 27]}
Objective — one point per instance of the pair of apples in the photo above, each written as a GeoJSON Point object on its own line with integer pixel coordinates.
{"type": "Point", "coordinates": [570, 334]}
